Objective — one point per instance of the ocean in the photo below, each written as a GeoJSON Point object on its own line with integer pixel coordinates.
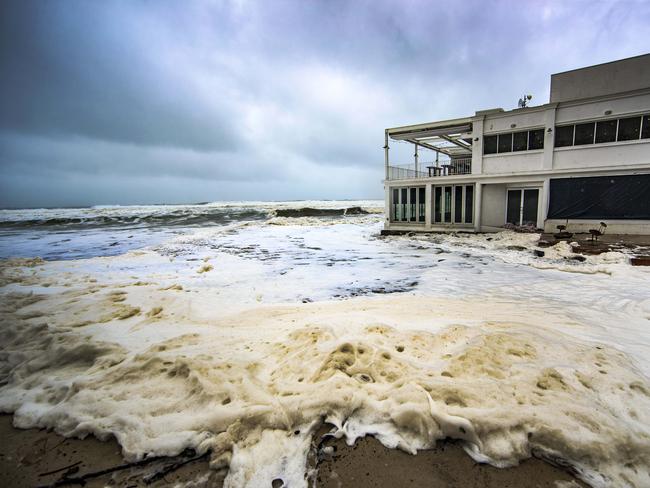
{"type": "Point", "coordinates": [240, 327]}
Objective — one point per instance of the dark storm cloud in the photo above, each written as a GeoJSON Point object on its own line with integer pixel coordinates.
{"type": "Point", "coordinates": [93, 69]}
{"type": "Point", "coordinates": [167, 101]}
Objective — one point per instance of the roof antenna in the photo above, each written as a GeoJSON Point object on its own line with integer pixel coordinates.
{"type": "Point", "coordinates": [523, 101]}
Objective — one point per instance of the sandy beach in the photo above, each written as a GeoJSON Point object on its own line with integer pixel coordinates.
{"type": "Point", "coordinates": [31, 458]}
{"type": "Point", "coordinates": [214, 355]}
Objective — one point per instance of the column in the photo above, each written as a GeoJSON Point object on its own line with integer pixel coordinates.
{"type": "Point", "coordinates": [428, 218]}
{"type": "Point", "coordinates": [415, 159]}
{"type": "Point", "coordinates": [477, 145]}
{"type": "Point", "coordinates": [478, 203]}
{"type": "Point", "coordinates": [386, 162]}
{"type": "Point", "coordinates": [549, 138]}
{"type": "Point", "coordinates": [543, 210]}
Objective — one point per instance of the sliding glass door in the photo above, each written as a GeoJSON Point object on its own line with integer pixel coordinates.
{"type": "Point", "coordinates": [408, 204]}
{"type": "Point", "coordinates": [521, 206]}
{"type": "Point", "coordinates": [453, 204]}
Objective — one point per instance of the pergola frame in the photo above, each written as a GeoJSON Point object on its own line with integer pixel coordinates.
{"type": "Point", "coordinates": [448, 137]}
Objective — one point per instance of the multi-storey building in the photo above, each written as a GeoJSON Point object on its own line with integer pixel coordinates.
{"type": "Point", "coordinates": [584, 158]}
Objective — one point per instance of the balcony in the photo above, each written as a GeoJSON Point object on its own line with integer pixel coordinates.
{"type": "Point", "coordinates": [450, 167]}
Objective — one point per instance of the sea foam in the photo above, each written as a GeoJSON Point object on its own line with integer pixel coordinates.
{"type": "Point", "coordinates": [486, 348]}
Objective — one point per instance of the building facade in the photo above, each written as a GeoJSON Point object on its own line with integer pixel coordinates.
{"type": "Point", "coordinates": [580, 159]}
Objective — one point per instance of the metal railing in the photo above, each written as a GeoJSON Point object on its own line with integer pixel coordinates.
{"type": "Point", "coordinates": [405, 172]}
{"type": "Point", "coordinates": [449, 167]}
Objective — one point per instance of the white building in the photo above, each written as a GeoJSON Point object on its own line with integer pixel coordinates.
{"type": "Point", "coordinates": [583, 157]}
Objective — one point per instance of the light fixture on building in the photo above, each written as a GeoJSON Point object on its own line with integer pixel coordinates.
{"type": "Point", "coordinates": [512, 126]}
{"type": "Point", "coordinates": [608, 112]}
{"type": "Point", "coordinates": [550, 129]}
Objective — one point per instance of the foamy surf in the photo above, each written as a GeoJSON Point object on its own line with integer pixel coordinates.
{"type": "Point", "coordinates": [479, 345]}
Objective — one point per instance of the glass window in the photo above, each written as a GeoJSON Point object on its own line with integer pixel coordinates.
{"type": "Point", "coordinates": [395, 204]}
{"type": "Point", "coordinates": [520, 141]}
{"type": "Point", "coordinates": [421, 203]}
{"type": "Point", "coordinates": [458, 204]}
{"type": "Point", "coordinates": [437, 214]}
{"type": "Point", "coordinates": [645, 132]}
{"type": "Point", "coordinates": [564, 136]}
{"type": "Point", "coordinates": [469, 204]}
{"type": "Point", "coordinates": [413, 204]}
{"type": "Point", "coordinates": [513, 207]}
{"type": "Point", "coordinates": [536, 139]}
{"type": "Point", "coordinates": [605, 131]}
{"type": "Point", "coordinates": [505, 143]}
{"type": "Point", "coordinates": [629, 128]}
{"type": "Point", "coordinates": [490, 145]}
{"type": "Point", "coordinates": [448, 204]}
{"type": "Point", "coordinates": [584, 134]}
{"type": "Point", "coordinates": [403, 209]}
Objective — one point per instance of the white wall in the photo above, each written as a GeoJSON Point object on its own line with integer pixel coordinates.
{"type": "Point", "coordinates": [637, 227]}
{"type": "Point", "coordinates": [523, 119]}
{"type": "Point", "coordinates": [606, 156]}
{"type": "Point", "coordinates": [603, 79]}
{"type": "Point", "coordinates": [513, 162]}
{"type": "Point", "coordinates": [594, 110]}
{"type": "Point", "coordinates": [493, 211]}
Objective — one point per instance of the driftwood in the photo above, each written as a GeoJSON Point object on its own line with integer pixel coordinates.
{"type": "Point", "coordinates": [65, 468]}
{"type": "Point", "coordinates": [184, 458]}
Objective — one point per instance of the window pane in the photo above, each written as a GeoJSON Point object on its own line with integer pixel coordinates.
{"type": "Point", "coordinates": [529, 212]}
{"type": "Point", "coordinates": [505, 143]}
{"type": "Point", "coordinates": [403, 208]}
{"type": "Point", "coordinates": [490, 145]}
{"type": "Point", "coordinates": [520, 142]}
{"type": "Point", "coordinates": [645, 132]}
{"type": "Point", "coordinates": [469, 204]}
{"type": "Point", "coordinates": [448, 204]}
{"type": "Point", "coordinates": [605, 131]}
{"type": "Point", "coordinates": [584, 134]}
{"type": "Point", "coordinates": [421, 202]}
{"type": "Point", "coordinates": [536, 139]}
{"type": "Point", "coordinates": [458, 204]}
{"type": "Point", "coordinates": [412, 204]}
{"type": "Point", "coordinates": [395, 208]}
{"type": "Point", "coordinates": [437, 214]}
{"type": "Point", "coordinates": [629, 129]}
{"type": "Point", "coordinates": [564, 136]}
{"type": "Point", "coordinates": [513, 207]}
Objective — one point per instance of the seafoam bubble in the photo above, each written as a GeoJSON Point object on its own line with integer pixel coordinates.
{"type": "Point", "coordinates": [254, 385]}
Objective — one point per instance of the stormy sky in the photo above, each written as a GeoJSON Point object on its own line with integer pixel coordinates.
{"type": "Point", "coordinates": [122, 102]}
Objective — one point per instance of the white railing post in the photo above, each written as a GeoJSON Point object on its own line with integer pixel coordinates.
{"type": "Point", "coordinates": [415, 157]}
{"type": "Point", "coordinates": [386, 162]}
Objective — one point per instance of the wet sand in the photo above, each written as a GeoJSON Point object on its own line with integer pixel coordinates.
{"type": "Point", "coordinates": [32, 457]}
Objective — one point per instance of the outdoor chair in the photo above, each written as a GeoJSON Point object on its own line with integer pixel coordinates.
{"type": "Point", "coordinates": [596, 233]}
{"type": "Point", "coordinates": [562, 232]}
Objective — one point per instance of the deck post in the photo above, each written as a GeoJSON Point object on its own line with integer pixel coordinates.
{"type": "Point", "coordinates": [415, 157]}
{"type": "Point", "coordinates": [478, 197]}
{"type": "Point", "coordinates": [427, 210]}
{"type": "Point", "coordinates": [386, 162]}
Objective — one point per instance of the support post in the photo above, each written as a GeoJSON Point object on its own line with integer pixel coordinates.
{"type": "Point", "coordinates": [549, 137]}
{"type": "Point", "coordinates": [415, 157]}
{"type": "Point", "coordinates": [386, 162]}
{"type": "Point", "coordinates": [427, 211]}
{"type": "Point", "coordinates": [543, 210]}
{"type": "Point", "coordinates": [478, 197]}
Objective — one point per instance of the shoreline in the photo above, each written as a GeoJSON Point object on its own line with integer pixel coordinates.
{"type": "Point", "coordinates": [36, 457]}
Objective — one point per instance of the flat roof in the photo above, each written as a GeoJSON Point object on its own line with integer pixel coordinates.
{"type": "Point", "coordinates": [440, 124]}
{"type": "Point", "coordinates": [601, 64]}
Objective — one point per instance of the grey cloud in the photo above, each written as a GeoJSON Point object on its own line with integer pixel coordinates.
{"type": "Point", "coordinates": [172, 101]}
{"type": "Point", "coordinates": [83, 68]}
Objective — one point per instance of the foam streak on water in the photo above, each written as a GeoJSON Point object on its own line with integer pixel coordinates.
{"type": "Point", "coordinates": [243, 337]}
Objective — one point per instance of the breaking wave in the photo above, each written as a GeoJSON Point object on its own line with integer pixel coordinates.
{"type": "Point", "coordinates": [319, 212]}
